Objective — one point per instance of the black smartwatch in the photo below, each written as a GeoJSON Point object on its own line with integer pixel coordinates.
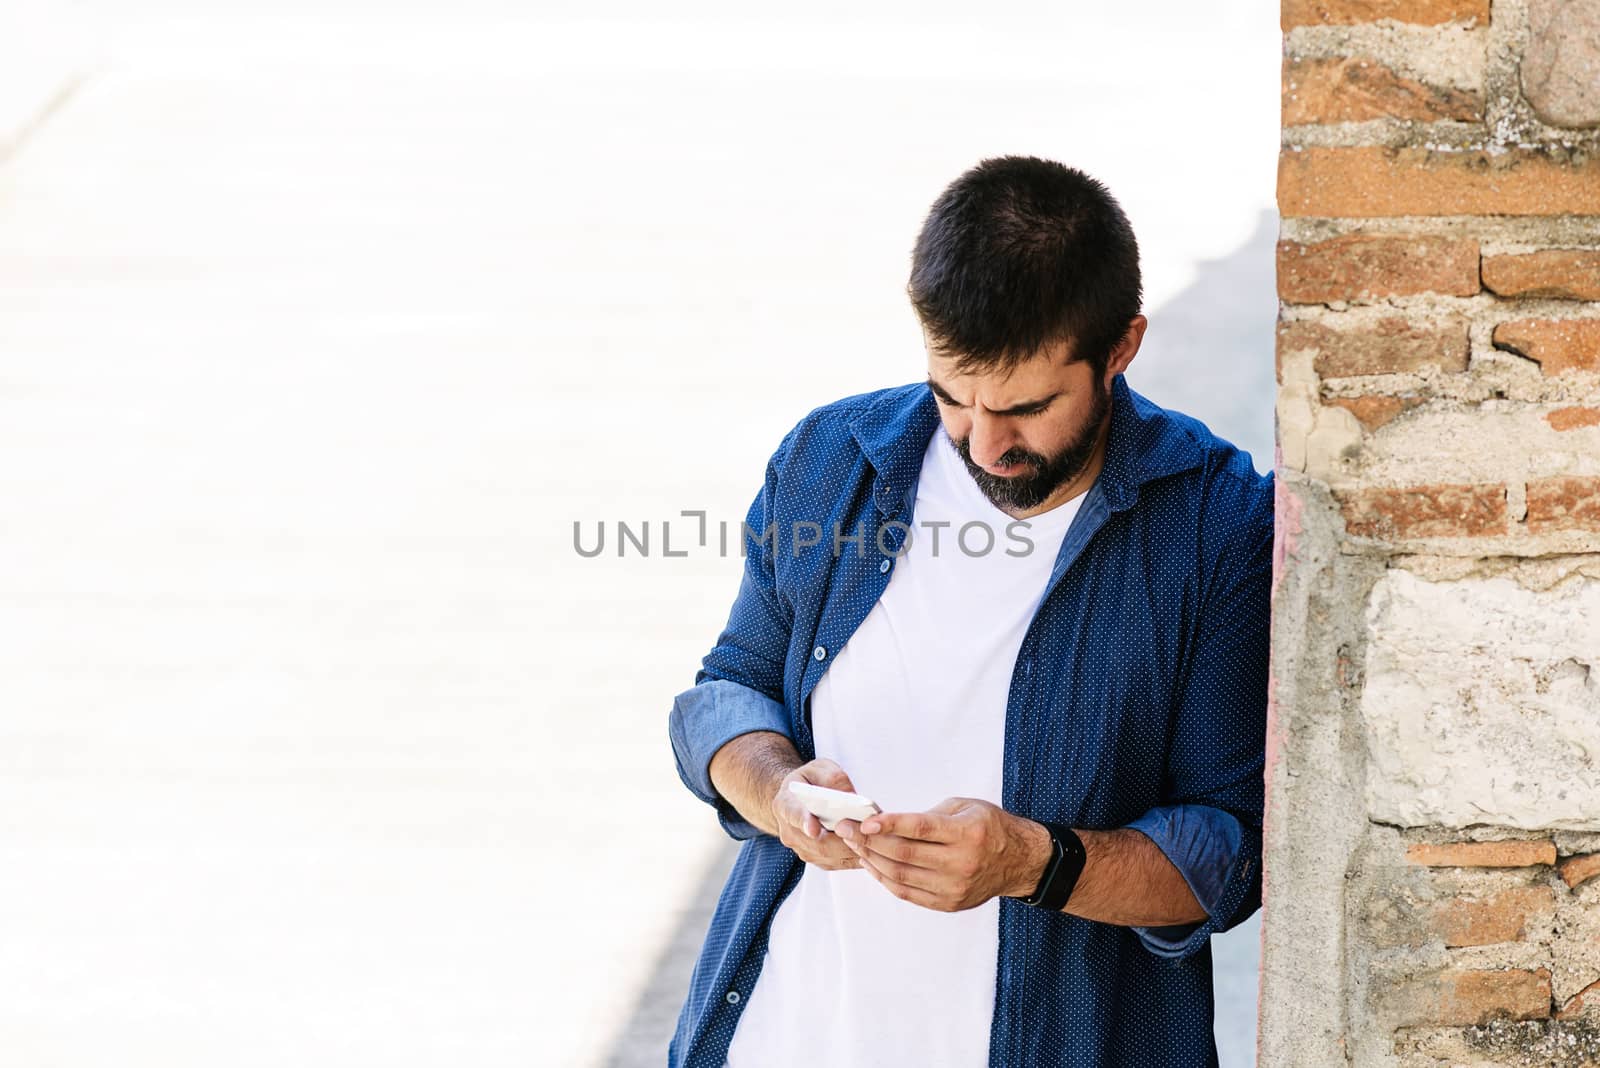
{"type": "Point", "coordinates": [1062, 871]}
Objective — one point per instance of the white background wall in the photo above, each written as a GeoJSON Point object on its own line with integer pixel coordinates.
{"type": "Point", "coordinates": [320, 324]}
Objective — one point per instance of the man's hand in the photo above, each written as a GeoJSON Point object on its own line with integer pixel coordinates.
{"type": "Point", "coordinates": [955, 856]}
{"type": "Point", "coordinates": [801, 831]}
{"type": "Point", "coordinates": [753, 771]}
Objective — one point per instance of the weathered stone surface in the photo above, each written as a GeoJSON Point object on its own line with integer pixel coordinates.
{"type": "Point", "coordinates": [1312, 437]}
{"type": "Point", "coordinates": [1482, 703]}
{"type": "Point", "coordinates": [1561, 65]}
{"type": "Point", "coordinates": [1501, 1044]}
{"type": "Point", "coordinates": [1575, 943]}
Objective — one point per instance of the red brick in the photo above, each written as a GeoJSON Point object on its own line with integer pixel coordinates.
{"type": "Point", "coordinates": [1368, 182]}
{"type": "Point", "coordinates": [1350, 12]}
{"type": "Point", "coordinates": [1436, 511]}
{"type": "Point", "coordinates": [1516, 854]}
{"type": "Point", "coordinates": [1585, 1002]}
{"type": "Point", "coordinates": [1502, 917]}
{"type": "Point", "coordinates": [1556, 345]}
{"type": "Point", "coordinates": [1575, 871]}
{"type": "Point", "coordinates": [1568, 503]}
{"type": "Point", "coordinates": [1393, 346]}
{"type": "Point", "coordinates": [1556, 273]}
{"type": "Point", "coordinates": [1471, 997]}
{"type": "Point", "coordinates": [1361, 267]}
{"type": "Point", "coordinates": [1377, 409]}
{"type": "Point", "coordinates": [1573, 418]}
{"type": "Point", "coordinates": [1356, 89]}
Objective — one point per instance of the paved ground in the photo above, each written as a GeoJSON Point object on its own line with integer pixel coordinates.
{"type": "Point", "coordinates": [319, 327]}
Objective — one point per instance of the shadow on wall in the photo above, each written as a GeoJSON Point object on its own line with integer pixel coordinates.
{"type": "Point", "coordinates": [1209, 350]}
{"type": "Point", "coordinates": [1209, 354]}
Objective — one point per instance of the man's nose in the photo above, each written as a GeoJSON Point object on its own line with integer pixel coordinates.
{"type": "Point", "coordinates": [990, 439]}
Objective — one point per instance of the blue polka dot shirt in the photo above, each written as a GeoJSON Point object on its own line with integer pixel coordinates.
{"type": "Point", "coordinates": [1138, 699]}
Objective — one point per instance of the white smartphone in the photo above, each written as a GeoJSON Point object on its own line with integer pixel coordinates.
{"type": "Point", "coordinates": [831, 806]}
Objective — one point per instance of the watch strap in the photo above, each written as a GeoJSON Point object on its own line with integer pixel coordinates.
{"type": "Point", "coordinates": [1061, 873]}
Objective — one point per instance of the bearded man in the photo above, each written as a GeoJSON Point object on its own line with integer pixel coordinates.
{"type": "Point", "coordinates": [1025, 609]}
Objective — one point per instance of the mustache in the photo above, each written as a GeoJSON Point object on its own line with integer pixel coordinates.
{"type": "Point", "coordinates": [1011, 456]}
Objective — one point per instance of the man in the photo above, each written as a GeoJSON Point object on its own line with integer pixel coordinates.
{"type": "Point", "coordinates": [1025, 609]}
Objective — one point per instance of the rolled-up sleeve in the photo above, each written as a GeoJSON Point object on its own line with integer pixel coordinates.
{"type": "Point", "coordinates": [1209, 824]}
{"type": "Point", "coordinates": [1203, 844]}
{"type": "Point", "coordinates": [739, 687]}
{"type": "Point", "coordinates": [706, 717]}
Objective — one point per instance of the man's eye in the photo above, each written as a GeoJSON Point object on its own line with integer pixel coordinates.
{"type": "Point", "coordinates": [1032, 411]}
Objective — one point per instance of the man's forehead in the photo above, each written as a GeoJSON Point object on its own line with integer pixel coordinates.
{"type": "Point", "coordinates": [1049, 370]}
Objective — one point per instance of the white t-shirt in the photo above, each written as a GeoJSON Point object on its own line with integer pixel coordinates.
{"type": "Point", "coordinates": [913, 708]}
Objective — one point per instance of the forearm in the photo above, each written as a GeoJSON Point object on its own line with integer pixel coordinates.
{"type": "Point", "coordinates": [747, 770]}
{"type": "Point", "coordinates": [1126, 880]}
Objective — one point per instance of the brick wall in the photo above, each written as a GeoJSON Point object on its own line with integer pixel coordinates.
{"type": "Point", "coordinates": [1433, 828]}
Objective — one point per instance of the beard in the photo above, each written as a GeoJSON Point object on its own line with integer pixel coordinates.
{"type": "Point", "coordinates": [1022, 492]}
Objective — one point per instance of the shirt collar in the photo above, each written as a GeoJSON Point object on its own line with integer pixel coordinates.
{"type": "Point", "coordinates": [1145, 443]}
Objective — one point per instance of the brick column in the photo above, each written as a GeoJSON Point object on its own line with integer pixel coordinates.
{"type": "Point", "coordinates": [1433, 772]}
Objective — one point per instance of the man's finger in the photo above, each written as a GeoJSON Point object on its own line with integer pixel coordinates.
{"type": "Point", "coordinates": [923, 826]}
{"type": "Point", "coordinates": [906, 850]}
{"type": "Point", "coordinates": [906, 874]}
{"type": "Point", "coordinates": [834, 854]}
{"type": "Point", "coordinates": [905, 891]}
{"type": "Point", "coordinates": [834, 863]}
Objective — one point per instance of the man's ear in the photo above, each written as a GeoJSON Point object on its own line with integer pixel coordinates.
{"type": "Point", "coordinates": [1126, 349]}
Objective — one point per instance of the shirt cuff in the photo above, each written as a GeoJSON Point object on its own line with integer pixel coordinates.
{"type": "Point", "coordinates": [706, 717]}
{"type": "Point", "coordinates": [1202, 843]}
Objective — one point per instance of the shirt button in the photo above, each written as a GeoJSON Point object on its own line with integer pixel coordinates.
{"type": "Point", "coordinates": [883, 568]}
{"type": "Point", "coordinates": [733, 997]}
{"type": "Point", "coordinates": [820, 652]}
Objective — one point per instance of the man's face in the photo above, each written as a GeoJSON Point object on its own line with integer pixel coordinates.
{"type": "Point", "coordinates": [1024, 434]}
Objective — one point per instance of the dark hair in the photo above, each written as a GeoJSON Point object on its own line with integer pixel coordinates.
{"type": "Point", "coordinates": [1020, 252]}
